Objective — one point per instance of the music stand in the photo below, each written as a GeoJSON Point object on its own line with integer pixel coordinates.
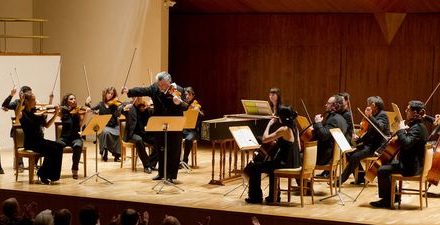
{"type": "Point", "coordinates": [190, 116]}
{"type": "Point", "coordinates": [165, 124]}
{"type": "Point", "coordinates": [95, 126]}
{"type": "Point", "coordinates": [343, 147]}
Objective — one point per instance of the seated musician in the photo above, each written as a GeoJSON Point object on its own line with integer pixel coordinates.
{"type": "Point", "coordinates": [321, 130]}
{"type": "Point", "coordinates": [286, 155]}
{"type": "Point", "coordinates": [137, 118]}
{"type": "Point", "coordinates": [109, 138]}
{"type": "Point", "coordinates": [369, 142]}
{"type": "Point", "coordinates": [32, 123]}
{"type": "Point", "coordinates": [411, 137]}
{"type": "Point", "coordinates": [72, 117]}
{"type": "Point", "coordinates": [191, 134]}
{"type": "Point", "coordinates": [346, 113]}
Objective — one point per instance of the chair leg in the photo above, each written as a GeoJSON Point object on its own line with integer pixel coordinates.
{"type": "Point", "coordinates": [133, 163]}
{"type": "Point", "coordinates": [331, 181]}
{"type": "Point", "coordinates": [16, 169]}
{"type": "Point", "coordinates": [301, 190]}
{"type": "Point", "coordinates": [122, 155]}
{"type": "Point", "coordinates": [420, 195]}
{"type": "Point", "coordinates": [289, 183]}
{"type": "Point", "coordinates": [393, 192]}
{"type": "Point", "coordinates": [31, 170]}
{"type": "Point", "coordinates": [275, 189]}
{"type": "Point", "coordinates": [400, 193]}
{"type": "Point", "coordinates": [85, 161]}
{"type": "Point", "coordinates": [426, 193]}
{"type": "Point", "coordinates": [311, 190]}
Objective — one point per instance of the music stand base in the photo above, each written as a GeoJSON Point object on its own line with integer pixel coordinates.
{"type": "Point", "coordinates": [185, 166]}
{"type": "Point", "coordinates": [164, 182]}
{"type": "Point", "coordinates": [97, 176]}
{"type": "Point", "coordinates": [242, 185]}
{"type": "Point", "coordinates": [338, 193]}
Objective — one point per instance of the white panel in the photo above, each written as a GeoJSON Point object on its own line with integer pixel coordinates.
{"type": "Point", "coordinates": [36, 71]}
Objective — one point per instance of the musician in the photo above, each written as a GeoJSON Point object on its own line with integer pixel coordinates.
{"type": "Point", "coordinates": [286, 155]}
{"type": "Point", "coordinates": [71, 120]}
{"type": "Point", "coordinates": [346, 113]}
{"type": "Point", "coordinates": [109, 138]}
{"type": "Point", "coordinates": [191, 134]}
{"type": "Point", "coordinates": [167, 100]}
{"type": "Point", "coordinates": [370, 141]}
{"type": "Point", "coordinates": [32, 123]}
{"type": "Point", "coordinates": [321, 129]}
{"type": "Point", "coordinates": [411, 137]}
{"type": "Point", "coordinates": [137, 117]}
{"type": "Point", "coordinates": [275, 99]}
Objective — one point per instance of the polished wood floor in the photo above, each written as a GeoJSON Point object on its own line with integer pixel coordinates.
{"type": "Point", "coordinates": [137, 187]}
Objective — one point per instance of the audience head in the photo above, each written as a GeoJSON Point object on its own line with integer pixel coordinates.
{"type": "Point", "coordinates": [10, 207]}
{"type": "Point", "coordinates": [88, 215]}
{"type": "Point", "coordinates": [62, 217]}
{"type": "Point", "coordinates": [129, 217]}
{"type": "Point", "coordinates": [44, 218]}
{"type": "Point", "coordinates": [170, 220]}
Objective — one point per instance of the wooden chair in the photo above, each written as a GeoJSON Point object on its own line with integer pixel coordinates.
{"type": "Point", "coordinates": [69, 149]}
{"type": "Point", "coordinates": [367, 162]}
{"type": "Point", "coordinates": [21, 152]}
{"type": "Point", "coordinates": [332, 167]}
{"type": "Point", "coordinates": [193, 153]}
{"type": "Point", "coordinates": [422, 179]}
{"type": "Point", "coordinates": [124, 145]}
{"type": "Point", "coordinates": [303, 173]}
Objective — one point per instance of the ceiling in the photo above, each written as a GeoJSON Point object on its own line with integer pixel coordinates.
{"type": "Point", "coordinates": [305, 6]}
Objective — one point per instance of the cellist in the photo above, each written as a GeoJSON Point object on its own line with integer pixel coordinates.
{"type": "Point", "coordinates": [411, 137]}
{"type": "Point", "coordinates": [370, 140]}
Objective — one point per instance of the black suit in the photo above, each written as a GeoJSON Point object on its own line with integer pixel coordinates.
{"type": "Point", "coordinates": [368, 143]}
{"type": "Point", "coordinates": [164, 106]}
{"type": "Point", "coordinates": [412, 152]}
{"type": "Point", "coordinates": [321, 132]}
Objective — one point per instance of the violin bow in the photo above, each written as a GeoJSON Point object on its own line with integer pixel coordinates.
{"type": "Point", "coordinates": [129, 68]}
{"type": "Point", "coordinates": [374, 125]}
{"type": "Point", "coordinates": [307, 112]}
{"type": "Point", "coordinates": [58, 73]}
{"type": "Point", "coordinates": [351, 112]}
{"type": "Point", "coordinates": [13, 82]}
{"type": "Point", "coordinates": [432, 93]}
{"type": "Point", "coordinates": [18, 78]}
{"type": "Point", "coordinates": [87, 80]}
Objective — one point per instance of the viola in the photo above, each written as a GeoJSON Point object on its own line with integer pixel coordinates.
{"type": "Point", "coordinates": [114, 101]}
{"type": "Point", "coordinates": [363, 127]}
{"type": "Point", "coordinates": [306, 130]}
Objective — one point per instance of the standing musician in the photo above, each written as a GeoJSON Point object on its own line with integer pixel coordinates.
{"type": "Point", "coordinates": [275, 100]}
{"type": "Point", "coordinates": [321, 129]}
{"type": "Point", "coordinates": [347, 114]}
{"type": "Point", "coordinates": [72, 117]}
{"type": "Point", "coordinates": [411, 137]}
{"type": "Point", "coordinates": [137, 117]}
{"type": "Point", "coordinates": [109, 138]}
{"type": "Point", "coordinates": [286, 156]}
{"type": "Point", "coordinates": [32, 123]}
{"type": "Point", "coordinates": [167, 101]}
{"type": "Point", "coordinates": [191, 134]}
{"type": "Point", "coordinates": [370, 141]}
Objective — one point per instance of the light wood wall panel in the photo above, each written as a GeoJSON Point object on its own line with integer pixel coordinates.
{"type": "Point", "coordinates": [310, 56]}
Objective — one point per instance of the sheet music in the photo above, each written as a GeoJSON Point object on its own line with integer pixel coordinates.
{"type": "Point", "coordinates": [340, 140]}
{"type": "Point", "coordinates": [244, 137]}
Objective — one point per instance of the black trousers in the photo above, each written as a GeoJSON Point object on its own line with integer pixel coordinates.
{"type": "Point", "coordinates": [354, 161]}
{"type": "Point", "coordinates": [254, 171]}
{"type": "Point", "coordinates": [77, 145]}
{"type": "Point", "coordinates": [147, 160]}
{"type": "Point", "coordinates": [53, 157]}
{"type": "Point", "coordinates": [189, 136]}
{"type": "Point", "coordinates": [174, 146]}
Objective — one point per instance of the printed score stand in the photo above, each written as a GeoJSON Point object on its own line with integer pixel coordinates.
{"type": "Point", "coordinates": [190, 123]}
{"type": "Point", "coordinates": [165, 124]}
{"type": "Point", "coordinates": [246, 142]}
{"type": "Point", "coordinates": [95, 126]}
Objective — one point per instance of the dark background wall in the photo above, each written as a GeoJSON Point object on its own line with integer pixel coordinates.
{"type": "Point", "coordinates": [228, 57]}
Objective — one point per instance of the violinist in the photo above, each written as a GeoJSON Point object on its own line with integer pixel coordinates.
{"type": "Point", "coordinates": [167, 100]}
{"type": "Point", "coordinates": [52, 151]}
{"type": "Point", "coordinates": [346, 113]}
{"type": "Point", "coordinates": [285, 156]}
{"type": "Point", "coordinates": [321, 130]}
{"type": "Point", "coordinates": [370, 141]}
{"type": "Point", "coordinates": [137, 117]}
{"type": "Point", "coordinates": [411, 137]}
{"type": "Point", "coordinates": [191, 134]}
{"type": "Point", "coordinates": [109, 138]}
{"type": "Point", "coordinates": [71, 120]}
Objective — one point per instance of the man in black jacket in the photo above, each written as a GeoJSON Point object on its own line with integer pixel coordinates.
{"type": "Point", "coordinates": [371, 140]}
{"type": "Point", "coordinates": [137, 118]}
{"type": "Point", "coordinates": [412, 139]}
{"type": "Point", "coordinates": [167, 100]}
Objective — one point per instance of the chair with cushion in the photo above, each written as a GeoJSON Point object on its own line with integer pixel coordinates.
{"type": "Point", "coordinates": [21, 152]}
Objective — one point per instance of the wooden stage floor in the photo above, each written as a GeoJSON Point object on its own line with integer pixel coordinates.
{"type": "Point", "coordinates": [137, 187]}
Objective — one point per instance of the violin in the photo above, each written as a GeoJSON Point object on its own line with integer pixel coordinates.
{"type": "Point", "coordinates": [172, 90]}
{"type": "Point", "coordinates": [363, 128]}
{"type": "Point", "coordinates": [114, 101]}
{"type": "Point", "coordinates": [44, 110]}
{"type": "Point", "coordinates": [78, 110]}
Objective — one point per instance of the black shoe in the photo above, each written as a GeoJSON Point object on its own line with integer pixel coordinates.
{"type": "Point", "coordinates": [117, 159]}
{"type": "Point", "coordinates": [383, 203]}
{"type": "Point", "coordinates": [44, 180]}
{"type": "Point", "coordinates": [2, 171]}
{"type": "Point", "coordinates": [253, 201]}
{"type": "Point", "coordinates": [357, 182]}
{"type": "Point", "coordinates": [269, 199]}
{"type": "Point", "coordinates": [170, 180]}
{"type": "Point", "coordinates": [157, 177]}
{"type": "Point", "coordinates": [104, 156]}
{"type": "Point", "coordinates": [325, 174]}
{"type": "Point", "coordinates": [147, 170]}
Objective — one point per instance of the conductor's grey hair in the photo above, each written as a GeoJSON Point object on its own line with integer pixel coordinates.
{"type": "Point", "coordinates": [163, 76]}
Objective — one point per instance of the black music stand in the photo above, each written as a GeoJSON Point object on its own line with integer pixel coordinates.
{"type": "Point", "coordinates": [165, 124]}
{"type": "Point", "coordinates": [190, 123]}
{"type": "Point", "coordinates": [343, 147]}
{"type": "Point", "coordinates": [95, 126]}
